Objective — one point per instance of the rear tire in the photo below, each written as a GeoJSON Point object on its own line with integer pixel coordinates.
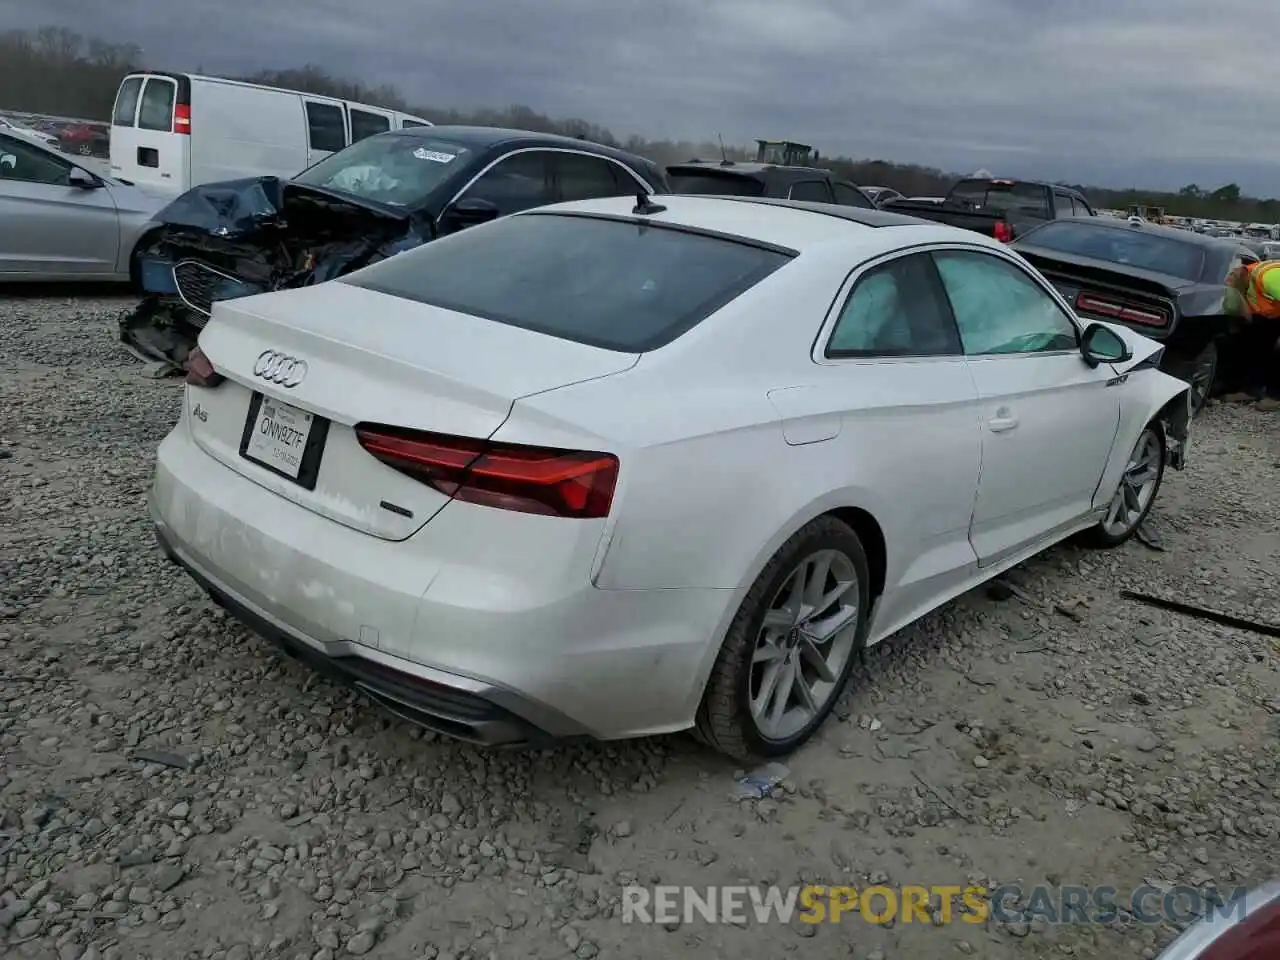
{"type": "Point", "coordinates": [788, 654]}
{"type": "Point", "coordinates": [1137, 492]}
{"type": "Point", "coordinates": [1199, 373]}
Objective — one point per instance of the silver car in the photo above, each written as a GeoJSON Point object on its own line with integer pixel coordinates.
{"type": "Point", "coordinates": [61, 221]}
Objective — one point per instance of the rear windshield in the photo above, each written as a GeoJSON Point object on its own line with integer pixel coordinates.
{"type": "Point", "coordinates": [1131, 247]}
{"type": "Point", "coordinates": [714, 184]}
{"type": "Point", "coordinates": [390, 168]}
{"type": "Point", "coordinates": [607, 283]}
{"type": "Point", "coordinates": [1004, 198]}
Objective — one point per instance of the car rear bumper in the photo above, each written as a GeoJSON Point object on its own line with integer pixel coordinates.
{"type": "Point", "coordinates": [495, 654]}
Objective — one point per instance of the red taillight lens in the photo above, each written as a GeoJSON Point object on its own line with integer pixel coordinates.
{"type": "Point", "coordinates": [182, 118]}
{"type": "Point", "coordinates": [558, 483]}
{"type": "Point", "coordinates": [200, 372]}
{"type": "Point", "coordinates": [1003, 232]}
{"type": "Point", "coordinates": [1090, 303]}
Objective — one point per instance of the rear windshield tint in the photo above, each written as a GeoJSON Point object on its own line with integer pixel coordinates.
{"type": "Point", "coordinates": [715, 184]}
{"type": "Point", "coordinates": [127, 102]}
{"type": "Point", "coordinates": [997, 197]}
{"type": "Point", "coordinates": [607, 283]}
{"type": "Point", "coordinates": [1124, 246]}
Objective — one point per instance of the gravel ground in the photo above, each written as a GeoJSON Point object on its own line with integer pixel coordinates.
{"type": "Point", "coordinates": [170, 787]}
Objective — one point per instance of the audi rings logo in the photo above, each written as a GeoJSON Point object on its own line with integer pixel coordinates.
{"type": "Point", "coordinates": [280, 368]}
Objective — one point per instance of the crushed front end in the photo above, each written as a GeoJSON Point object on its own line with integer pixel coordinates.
{"type": "Point", "coordinates": [226, 240]}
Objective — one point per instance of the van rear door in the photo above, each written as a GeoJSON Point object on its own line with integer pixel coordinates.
{"type": "Point", "coordinates": [150, 127]}
{"type": "Point", "coordinates": [326, 127]}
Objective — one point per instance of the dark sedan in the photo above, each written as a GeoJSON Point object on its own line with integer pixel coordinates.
{"type": "Point", "coordinates": [1169, 285]}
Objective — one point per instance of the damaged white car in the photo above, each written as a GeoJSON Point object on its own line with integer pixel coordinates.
{"type": "Point", "coordinates": [625, 467]}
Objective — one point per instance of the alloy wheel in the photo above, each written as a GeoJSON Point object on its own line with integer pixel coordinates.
{"type": "Point", "coordinates": [804, 643]}
{"type": "Point", "coordinates": [1137, 486]}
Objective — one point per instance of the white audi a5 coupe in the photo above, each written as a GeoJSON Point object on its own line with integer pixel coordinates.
{"type": "Point", "coordinates": [630, 466]}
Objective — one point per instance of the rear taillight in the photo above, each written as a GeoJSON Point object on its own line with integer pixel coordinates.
{"type": "Point", "coordinates": [552, 482]}
{"type": "Point", "coordinates": [1126, 313]}
{"type": "Point", "coordinates": [200, 372]}
{"type": "Point", "coordinates": [182, 118]}
{"type": "Point", "coordinates": [1003, 232]}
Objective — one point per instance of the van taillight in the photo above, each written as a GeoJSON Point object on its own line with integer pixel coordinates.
{"type": "Point", "coordinates": [551, 482]}
{"type": "Point", "coordinates": [182, 118]}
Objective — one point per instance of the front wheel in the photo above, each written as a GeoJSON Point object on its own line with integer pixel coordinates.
{"type": "Point", "coordinates": [1199, 373]}
{"type": "Point", "coordinates": [1139, 485]}
{"type": "Point", "coordinates": [791, 647]}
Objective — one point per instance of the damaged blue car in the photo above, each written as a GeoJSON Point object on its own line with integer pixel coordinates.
{"type": "Point", "coordinates": [379, 196]}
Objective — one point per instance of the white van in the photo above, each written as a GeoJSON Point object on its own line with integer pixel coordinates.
{"type": "Point", "coordinates": [175, 131]}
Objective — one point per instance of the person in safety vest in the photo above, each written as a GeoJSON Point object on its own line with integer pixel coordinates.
{"type": "Point", "coordinates": [1253, 293]}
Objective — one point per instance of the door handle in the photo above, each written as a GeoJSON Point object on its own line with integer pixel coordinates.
{"type": "Point", "coordinates": [1002, 423]}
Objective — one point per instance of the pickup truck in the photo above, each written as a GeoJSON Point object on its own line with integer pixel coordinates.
{"type": "Point", "coordinates": [751, 179]}
{"type": "Point", "coordinates": [1003, 209]}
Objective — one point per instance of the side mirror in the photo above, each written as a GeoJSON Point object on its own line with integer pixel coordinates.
{"type": "Point", "coordinates": [1103, 345]}
{"type": "Point", "coordinates": [468, 212]}
{"type": "Point", "coordinates": [83, 179]}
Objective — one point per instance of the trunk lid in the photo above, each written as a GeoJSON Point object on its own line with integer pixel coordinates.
{"type": "Point", "coordinates": [1083, 281]}
{"type": "Point", "coordinates": [369, 358]}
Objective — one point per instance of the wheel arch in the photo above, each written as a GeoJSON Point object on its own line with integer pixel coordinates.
{"type": "Point", "coordinates": [857, 510]}
{"type": "Point", "coordinates": [145, 239]}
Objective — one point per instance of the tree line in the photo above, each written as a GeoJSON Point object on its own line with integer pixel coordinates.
{"type": "Point", "coordinates": [56, 71]}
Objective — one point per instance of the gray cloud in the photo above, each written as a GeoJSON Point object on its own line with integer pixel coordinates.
{"type": "Point", "coordinates": [1153, 92]}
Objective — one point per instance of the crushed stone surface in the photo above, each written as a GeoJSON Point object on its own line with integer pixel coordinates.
{"type": "Point", "coordinates": [171, 787]}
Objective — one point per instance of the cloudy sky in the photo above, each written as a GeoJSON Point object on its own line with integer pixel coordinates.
{"type": "Point", "coordinates": [1155, 93]}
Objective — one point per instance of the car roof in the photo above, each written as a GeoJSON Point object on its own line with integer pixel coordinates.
{"type": "Point", "coordinates": [795, 224]}
{"type": "Point", "coordinates": [482, 138]}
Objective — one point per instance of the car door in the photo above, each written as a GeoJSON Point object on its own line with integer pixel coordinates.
{"type": "Point", "coordinates": [895, 392]}
{"type": "Point", "coordinates": [518, 181]}
{"type": "Point", "coordinates": [1048, 419]}
{"type": "Point", "coordinates": [581, 176]}
{"type": "Point", "coordinates": [51, 228]}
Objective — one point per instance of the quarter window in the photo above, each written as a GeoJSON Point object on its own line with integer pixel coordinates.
{"type": "Point", "coordinates": [517, 183]}
{"type": "Point", "coordinates": [586, 178]}
{"type": "Point", "coordinates": [366, 124]}
{"type": "Point", "coordinates": [851, 196]}
{"type": "Point", "coordinates": [999, 308]}
{"type": "Point", "coordinates": [1062, 205]}
{"type": "Point", "coordinates": [896, 309]}
{"type": "Point", "coordinates": [325, 127]}
{"type": "Point", "coordinates": [815, 190]}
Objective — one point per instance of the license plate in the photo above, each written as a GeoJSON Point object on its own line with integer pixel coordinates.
{"type": "Point", "coordinates": [278, 437]}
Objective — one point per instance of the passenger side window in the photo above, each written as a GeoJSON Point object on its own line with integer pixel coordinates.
{"type": "Point", "coordinates": [325, 127]}
{"type": "Point", "coordinates": [851, 196]}
{"type": "Point", "coordinates": [127, 102]}
{"type": "Point", "coordinates": [26, 163]}
{"type": "Point", "coordinates": [896, 309]}
{"type": "Point", "coordinates": [366, 124]}
{"type": "Point", "coordinates": [586, 178]}
{"type": "Point", "coordinates": [1062, 205]}
{"type": "Point", "coordinates": [1081, 208]}
{"type": "Point", "coordinates": [519, 182]}
{"type": "Point", "coordinates": [156, 112]}
{"type": "Point", "coordinates": [999, 308]}
{"type": "Point", "coordinates": [815, 190]}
